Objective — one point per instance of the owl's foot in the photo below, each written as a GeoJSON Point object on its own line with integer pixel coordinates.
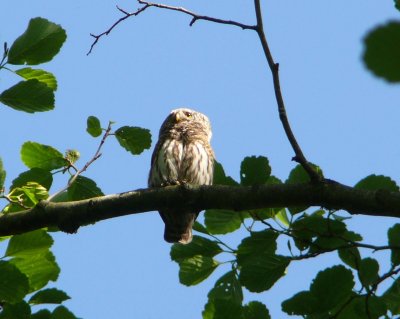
{"type": "Point", "coordinates": [173, 183]}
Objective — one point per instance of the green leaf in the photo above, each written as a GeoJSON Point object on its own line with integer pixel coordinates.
{"type": "Point", "coordinates": [302, 303]}
{"type": "Point", "coordinates": [41, 156]}
{"type": "Point", "coordinates": [93, 126]}
{"type": "Point", "coordinates": [195, 269]}
{"type": "Point", "coordinates": [37, 175]}
{"type": "Point", "coordinates": [28, 195]}
{"type": "Point", "coordinates": [42, 76]}
{"type": "Point", "coordinates": [254, 170]}
{"type": "Point", "coordinates": [392, 297]}
{"type": "Point", "coordinates": [222, 309]}
{"type": "Point", "coordinates": [200, 228]}
{"type": "Point", "coordinates": [382, 51]}
{"type": "Point", "coordinates": [394, 240]}
{"type": "Point", "coordinates": [397, 4]}
{"type": "Point", "coordinates": [261, 272]}
{"type": "Point", "coordinates": [198, 246]}
{"type": "Point", "coordinates": [282, 217]}
{"type": "Point", "coordinates": [83, 188]}
{"type": "Point", "coordinates": [134, 139]}
{"type": "Point", "coordinates": [39, 269]}
{"type": "Point", "coordinates": [368, 271]}
{"type": "Point", "coordinates": [299, 175]}
{"type": "Point", "coordinates": [255, 310]}
{"type": "Point", "coordinates": [227, 287]}
{"type": "Point", "coordinates": [29, 96]}
{"type": "Point", "coordinates": [41, 314]}
{"type": "Point", "coordinates": [20, 310]}
{"type": "Point", "coordinates": [357, 308]}
{"type": "Point", "coordinates": [259, 243]}
{"type": "Point", "coordinates": [62, 313]}
{"type": "Point", "coordinates": [331, 287]}
{"type": "Point", "coordinates": [220, 178]}
{"type": "Point", "coordinates": [38, 44]}
{"type": "Point", "coordinates": [220, 221]}
{"type": "Point", "coordinates": [375, 182]}
{"type": "Point", "coordinates": [14, 285]}
{"type": "Point", "coordinates": [350, 256]}
{"type": "Point", "coordinates": [29, 244]}
{"type": "Point", "coordinates": [49, 296]}
{"type": "Point", "coordinates": [2, 175]}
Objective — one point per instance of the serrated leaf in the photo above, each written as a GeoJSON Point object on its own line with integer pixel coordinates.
{"type": "Point", "coordinates": [62, 313]}
{"type": "Point", "coordinates": [392, 297]}
{"type": "Point", "coordinates": [255, 310]}
{"type": "Point", "coordinates": [38, 44]}
{"type": "Point", "coordinates": [35, 155]}
{"type": "Point", "coordinates": [29, 96]}
{"type": "Point", "coordinates": [200, 228]}
{"type": "Point", "coordinates": [394, 240]}
{"type": "Point", "coordinates": [20, 310]}
{"type": "Point", "coordinates": [350, 256]}
{"type": "Point", "coordinates": [220, 221]}
{"type": "Point", "coordinates": [227, 287]}
{"type": "Point", "coordinates": [93, 126]}
{"type": "Point", "coordinates": [195, 269]}
{"type": "Point", "coordinates": [222, 309]}
{"type": "Point", "coordinates": [220, 178]}
{"type": "Point", "coordinates": [331, 287]}
{"type": "Point", "coordinates": [363, 307]}
{"type": "Point", "coordinates": [83, 188]}
{"type": "Point", "coordinates": [368, 271]}
{"type": "Point", "coordinates": [254, 170]}
{"type": "Point", "coordinates": [40, 269]}
{"type": "Point", "coordinates": [382, 49]}
{"type": "Point", "coordinates": [49, 296]}
{"type": "Point", "coordinates": [198, 246]}
{"type": "Point", "coordinates": [262, 272]}
{"type": "Point", "coordinates": [38, 175]}
{"type": "Point", "coordinates": [375, 182]}
{"type": "Point", "coordinates": [29, 244]}
{"type": "Point", "coordinates": [41, 75]}
{"type": "Point", "coordinates": [302, 303]}
{"type": "Point", "coordinates": [263, 242]}
{"type": "Point", "coordinates": [134, 139]}
{"type": "Point", "coordinates": [2, 175]}
{"type": "Point", "coordinates": [14, 284]}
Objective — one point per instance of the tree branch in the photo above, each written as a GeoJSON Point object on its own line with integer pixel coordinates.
{"type": "Point", "coordinates": [195, 17]}
{"type": "Point", "coordinates": [274, 67]}
{"type": "Point", "coordinates": [69, 216]}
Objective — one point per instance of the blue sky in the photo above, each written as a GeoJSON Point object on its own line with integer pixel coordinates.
{"type": "Point", "coordinates": [345, 119]}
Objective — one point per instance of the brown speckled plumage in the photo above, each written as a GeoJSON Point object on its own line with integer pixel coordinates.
{"type": "Point", "coordinates": [183, 154]}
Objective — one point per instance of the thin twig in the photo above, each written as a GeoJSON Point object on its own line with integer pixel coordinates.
{"type": "Point", "coordinates": [299, 156]}
{"type": "Point", "coordinates": [84, 168]}
{"type": "Point", "coordinates": [195, 17]}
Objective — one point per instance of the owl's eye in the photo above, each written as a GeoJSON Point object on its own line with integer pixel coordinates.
{"type": "Point", "coordinates": [188, 114]}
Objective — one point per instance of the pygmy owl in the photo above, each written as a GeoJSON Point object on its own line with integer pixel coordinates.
{"type": "Point", "coordinates": [183, 154]}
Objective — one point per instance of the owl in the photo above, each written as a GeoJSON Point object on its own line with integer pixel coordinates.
{"type": "Point", "coordinates": [183, 154]}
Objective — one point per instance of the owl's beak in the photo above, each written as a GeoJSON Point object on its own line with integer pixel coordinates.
{"type": "Point", "coordinates": [178, 117]}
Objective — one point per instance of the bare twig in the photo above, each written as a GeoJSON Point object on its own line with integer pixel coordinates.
{"type": "Point", "coordinates": [274, 67]}
{"type": "Point", "coordinates": [195, 17]}
{"type": "Point", "coordinates": [84, 168]}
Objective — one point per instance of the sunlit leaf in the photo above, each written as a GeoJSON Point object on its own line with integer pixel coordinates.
{"type": "Point", "coordinates": [14, 284]}
{"type": "Point", "coordinates": [134, 139]}
{"type": "Point", "coordinates": [83, 188]}
{"type": "Point", "coordinates": [42, 76]}
{"type": "Point", "coordinates": [41, 156]}
{"type": "Point", "coordinates": [38, 44]}
{"type": "Point", "coordinates": [38, 175]}
{"type": "Point", "coordinates": [374, 182]}
{"type": "Point", "coordinates": [195, 269]}
{"type": "Point", "coordinates": [29, 244]}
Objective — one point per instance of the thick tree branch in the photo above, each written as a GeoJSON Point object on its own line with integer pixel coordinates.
{"type": "Point", "coordinates": [274, 67]}
{"type": "Point", "coordinates": [69, 216]}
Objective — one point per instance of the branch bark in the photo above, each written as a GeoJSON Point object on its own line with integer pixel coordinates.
{"type": "Point", "coordinates": [69, 216]}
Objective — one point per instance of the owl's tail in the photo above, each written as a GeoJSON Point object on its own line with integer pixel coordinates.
{"type": "Point", "coordinates": [178, 226]}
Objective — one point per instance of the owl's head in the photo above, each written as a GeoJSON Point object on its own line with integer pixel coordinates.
{"type": "Point", "coordinates": [188, 122]}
